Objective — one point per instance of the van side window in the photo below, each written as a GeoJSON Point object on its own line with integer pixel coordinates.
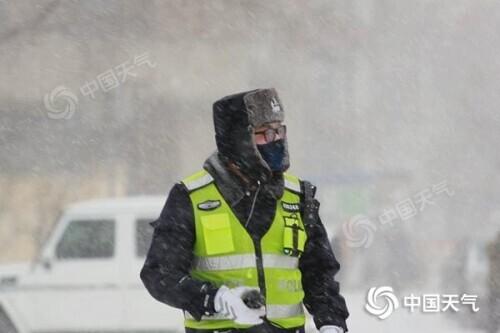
{"type": "Point", "coordinates": [143, 236]}
{"type": "Point", "coordinates": [87, 239]}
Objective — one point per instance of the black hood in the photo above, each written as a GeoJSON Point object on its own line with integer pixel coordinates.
{"type": "Point", "coordinates": [235, 117]}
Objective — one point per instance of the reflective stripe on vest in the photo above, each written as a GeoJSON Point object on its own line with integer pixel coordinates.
{"type": "Point", "coordinates": [272, 312]}
{"type": "Point", "coordinates": [239, 261]}
{"type": "Point", "coordinates": [224, 253]}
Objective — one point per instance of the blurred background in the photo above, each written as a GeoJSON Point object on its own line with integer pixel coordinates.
{"type": "Point", "coordinates": [391, 108]}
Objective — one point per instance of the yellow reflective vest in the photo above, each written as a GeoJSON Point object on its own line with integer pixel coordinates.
{"type": "Point", "coordinates": [225, 253]}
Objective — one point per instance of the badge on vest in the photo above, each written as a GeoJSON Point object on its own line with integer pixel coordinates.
{"type": "Point", "coordinates": [290, 207]}
{"type": "Point", "coordinates": [209, 204]}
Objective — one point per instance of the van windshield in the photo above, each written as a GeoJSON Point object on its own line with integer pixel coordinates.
{"type": "Point", "coordinates": [87, 239]}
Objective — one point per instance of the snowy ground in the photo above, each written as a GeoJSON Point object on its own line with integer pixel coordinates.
{"type": "Point", "coordinates": [400, 321]}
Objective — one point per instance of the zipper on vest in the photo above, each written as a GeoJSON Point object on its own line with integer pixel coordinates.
{"type": "Point", "coordinates": [258, 249]}
{"type": "Point", "coordinates": [260, 267]}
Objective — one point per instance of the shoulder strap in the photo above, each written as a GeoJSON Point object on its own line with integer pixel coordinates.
{"type": "Point", "coordinates": [292, 183]}
{"type": "Point", "coordinates": [197, 180]}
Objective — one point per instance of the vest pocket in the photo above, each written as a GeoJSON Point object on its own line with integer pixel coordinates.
{"type": "Point", "coordinates": [217, 234]}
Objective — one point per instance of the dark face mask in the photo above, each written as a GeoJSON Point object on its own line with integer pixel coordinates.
{"type": "Point", "coordinates": [273, 153]}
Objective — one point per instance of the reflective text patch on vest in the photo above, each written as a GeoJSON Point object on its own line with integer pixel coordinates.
{"type": "Point", "coordinates": [294, 236]}
{"type": "Point", "coordinates": [290, 207]}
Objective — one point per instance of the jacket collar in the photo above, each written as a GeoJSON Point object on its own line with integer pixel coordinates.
{"type": "Point", "coordinates": [232, 187]}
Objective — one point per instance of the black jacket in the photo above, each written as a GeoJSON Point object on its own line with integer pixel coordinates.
{"type": "Point", "coordinates": [166, 269]}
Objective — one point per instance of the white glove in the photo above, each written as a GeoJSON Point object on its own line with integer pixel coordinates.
{"type": "Point", "coordinates": [228, 303]}
{"type": "Point", "coordinates": [331, 329]}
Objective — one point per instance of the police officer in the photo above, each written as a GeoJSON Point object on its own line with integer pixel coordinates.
{"type": "Point", "coordinates": [239, 245]}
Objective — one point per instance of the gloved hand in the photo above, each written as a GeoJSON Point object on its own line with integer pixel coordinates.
{"type": "Point", "coordinates": [228, 302]}
{"type": "Point", "coordinates": [331, 329]}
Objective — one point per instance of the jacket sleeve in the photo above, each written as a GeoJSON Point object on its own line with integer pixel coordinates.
{"type": "Point", "coordinates": [318, 266]}
{"type": "Point", "coordinates": [165, 273]}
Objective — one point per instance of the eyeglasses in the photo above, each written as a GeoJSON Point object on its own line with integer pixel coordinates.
{"type": "Point", "coordinates": [270, 133]}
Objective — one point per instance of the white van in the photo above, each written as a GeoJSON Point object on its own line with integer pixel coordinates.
{"type": "Point", "coordinates": [86, 278]}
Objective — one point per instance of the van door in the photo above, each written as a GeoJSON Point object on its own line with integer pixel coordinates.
{"type": "Point", "coordinates": [77, 288]}
{"type": "Point", "coordinates": [142, 311]}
